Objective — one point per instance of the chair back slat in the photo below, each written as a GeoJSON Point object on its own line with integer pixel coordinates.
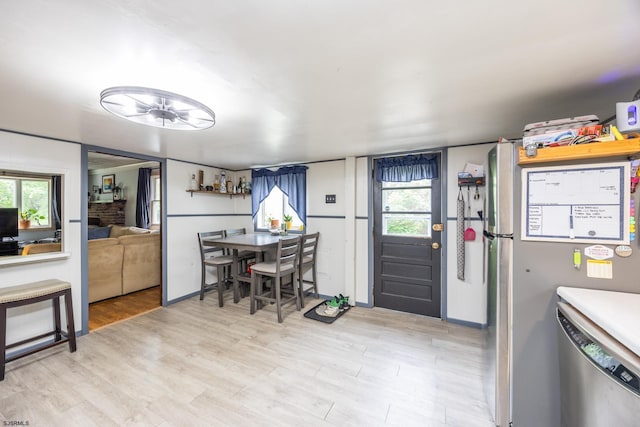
{"type": "Point", "coordinates": [309, 246]}
{"type": "Point", "coordinates": [235, 232]}
{"type": "Point", "coordinates": [288, 252]}
{"type": "Point", "coordinates": [207, 251]}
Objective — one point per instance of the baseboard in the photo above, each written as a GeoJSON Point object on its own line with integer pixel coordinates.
{"type": "Point", "coordinates": [184, 297]}
{"type": "Point", "coordinates": [467, 323]}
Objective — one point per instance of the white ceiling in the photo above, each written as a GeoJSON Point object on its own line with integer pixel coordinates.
{"type": "Point", "coordinates": [294, 81]}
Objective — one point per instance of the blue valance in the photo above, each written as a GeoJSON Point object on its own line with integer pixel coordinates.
{"type": "Point", "coordinates": [292, 180]}
{"type": "Point", "coordinates": [407, 168]}
{"type": "Point", "coordinates": [143, 198]}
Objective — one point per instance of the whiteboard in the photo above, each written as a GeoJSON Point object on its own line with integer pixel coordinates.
{"type": "Point", "coordinates": [582, 203]}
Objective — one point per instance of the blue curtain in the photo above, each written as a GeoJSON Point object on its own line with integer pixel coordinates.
{"type": "Point", "coordinates": [407, 168]}
{"type": "Point", "coordinates": [143, 217]}
{"type": "Point", "coordinates": [292, 180]}
{"type": "Point", "coordinates": [56, 200]}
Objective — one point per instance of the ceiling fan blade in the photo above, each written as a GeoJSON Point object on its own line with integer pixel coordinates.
{"type": "Point", "coordinates": [181, 120]}
{"type": "Point", "coordinates": [135, 115]}
{"type": "Point", "coordinates": [107, 101]}
{"type": "Point", "coordinates": [181, 115]}
{"type": "Point", "coordinates": [141, 102]}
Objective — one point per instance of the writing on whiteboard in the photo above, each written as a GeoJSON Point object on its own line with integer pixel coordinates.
{"type": "Point", "coordinates": [583, 203]}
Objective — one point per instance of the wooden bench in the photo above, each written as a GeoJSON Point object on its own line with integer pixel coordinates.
{"type": "Point", "coordinates": [30, 293]}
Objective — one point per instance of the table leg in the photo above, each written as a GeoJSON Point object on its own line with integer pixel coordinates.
{"type": "Point", "coordinates": [234, 274]}
{"type": "Point", "coordinates": [260, 258]}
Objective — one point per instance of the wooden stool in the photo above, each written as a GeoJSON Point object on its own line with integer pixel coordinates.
{"type": "Point", "coordinates": [30, 293]}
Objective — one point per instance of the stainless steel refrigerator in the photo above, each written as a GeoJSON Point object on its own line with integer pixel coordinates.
{"type": "Point", "coordinates": [523, 375]}
{"type": "Point", "coordinates": [498, 237]}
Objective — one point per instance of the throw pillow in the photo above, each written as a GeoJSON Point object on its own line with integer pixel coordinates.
{"type": "Point", "coordinates": [99, 232]}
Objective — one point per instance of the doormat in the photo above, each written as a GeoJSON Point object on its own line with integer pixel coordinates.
{"type": "Point", "coordinates": [311, 314]}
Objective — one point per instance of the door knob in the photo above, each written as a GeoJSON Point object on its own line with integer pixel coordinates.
{"type": "Point", "coordinates": [435, 245]}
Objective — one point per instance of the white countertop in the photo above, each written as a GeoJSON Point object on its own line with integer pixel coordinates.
{"type": "Point", "coordinates": [618, 313]}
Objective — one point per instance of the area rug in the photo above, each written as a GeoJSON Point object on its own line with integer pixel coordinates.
{"type": "Point", "coordinates": [311, 314]}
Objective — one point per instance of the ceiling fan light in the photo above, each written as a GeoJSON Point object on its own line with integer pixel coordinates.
{"type": "Point", "coordinates": [158, 108]}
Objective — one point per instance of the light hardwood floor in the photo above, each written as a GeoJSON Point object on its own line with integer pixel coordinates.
{"type": "Point", "coordinates": [196, 364]}
{"type": "Point", "coordinates": [112, 310]}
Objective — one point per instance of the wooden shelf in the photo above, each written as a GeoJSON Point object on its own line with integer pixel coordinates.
{"type": "Point", "coordinates": [215, 193]}
{"type": "Point", "coordinates": [625, 147]}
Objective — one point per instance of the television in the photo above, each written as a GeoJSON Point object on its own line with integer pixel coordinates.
{"type": "Point", "coordinates": [8, 222]}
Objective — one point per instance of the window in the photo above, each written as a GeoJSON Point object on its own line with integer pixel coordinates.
{"type": "Point", "coordinates": [276, 206]}
{"type": "Point", "coordinates": [406, 208]}
{"type": "Point", "coordinates": [156, 195]}
{"type": "Point", "coordinates": [27, 193]}
{"type": "Point", "coordinates": [268, 199]}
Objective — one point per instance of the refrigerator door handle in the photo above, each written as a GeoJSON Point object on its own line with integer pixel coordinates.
{"type": "Point", "coordinates": [492, 236]}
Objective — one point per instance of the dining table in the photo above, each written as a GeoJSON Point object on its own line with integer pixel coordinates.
{"type": "Point", "coordinates": [253, 242]}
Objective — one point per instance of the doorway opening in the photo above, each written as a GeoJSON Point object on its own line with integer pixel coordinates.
{"type": "Point", "coordinates": [124, 241]}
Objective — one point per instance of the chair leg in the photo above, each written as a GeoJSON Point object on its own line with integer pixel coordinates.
{"type": "Point", "coordinates": [294, 280]}
{"type": "Point", "coordinates": [278, 298]}
{"type": "Point", "coordinates": [56, 319]}
{"type": "Point", "coordinates": [315, 280]}
{"type": "Point", "coordinates": [252, 293]}
{"type": "Point", "coordinates": [71, 327]}
{"type": "Point", "coordinates": [260, 291]}
{"type": "Point", "coordinates": [220, 273]}
{"type": "Point", "coordinates": [300, 288]}
{"type": "Point", "coordinates": [202, 282]}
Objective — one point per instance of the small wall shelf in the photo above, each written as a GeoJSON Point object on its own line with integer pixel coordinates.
{"type": "Point", "coordinates": [470, 181]}
{"type": "Point", "coordinates": [625, 147]}
{"type": "Point", "coordinates": [216, 193]}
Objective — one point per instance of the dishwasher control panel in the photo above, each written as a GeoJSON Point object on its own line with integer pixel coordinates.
{"type": "Point", "coordinates": [599, 356]}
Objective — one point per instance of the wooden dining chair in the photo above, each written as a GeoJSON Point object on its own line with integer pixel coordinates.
{"type": "Point", "coordinates": [307, 262]}
{"type": "Point", "coordinates": [212, 256]}
{"type": "Point", "coordinates": [285, 264]}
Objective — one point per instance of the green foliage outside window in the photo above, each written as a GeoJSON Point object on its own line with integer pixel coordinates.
{"type": "Point", "coordinates": [27, 195]}
{"type": "Point", "coordinates": [407, 208]}
{"type": "Point", "coordinates": [7, 193]}
{"type": "Point", "coordinates": [35, 195]}
{"type": "Point", "coordinates": [408, 226]}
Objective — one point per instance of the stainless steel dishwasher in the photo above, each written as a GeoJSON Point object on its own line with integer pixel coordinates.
{"type": "Point", "coordinates": [598, 375]}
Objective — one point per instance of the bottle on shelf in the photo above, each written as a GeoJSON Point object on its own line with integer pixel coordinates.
{"type": "Point", "coordinates": [223, 182]}
{"type": "Point", "coordinates": [194, 184]}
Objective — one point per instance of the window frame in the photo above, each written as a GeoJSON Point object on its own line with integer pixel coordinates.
{"type": "Point", "coordinates": [286, 209]}
{"type": "Point", "coordinates": [409, 185]}
{"type": "Point", "coordinates": [156, 198]}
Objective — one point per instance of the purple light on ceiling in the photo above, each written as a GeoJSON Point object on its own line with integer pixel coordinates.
{"type": "Point", "coordinates": [610, 77]}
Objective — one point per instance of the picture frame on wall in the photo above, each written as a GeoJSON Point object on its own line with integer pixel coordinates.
{"type": "Point", "coordinates": [108, 183]}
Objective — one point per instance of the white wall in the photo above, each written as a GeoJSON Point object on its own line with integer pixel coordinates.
{"type": "Point", "coordinates": [51, 157]}
{"type": "Point", "coordinates": [328, 218]}
{"type": "Point", "coordinates": [187, 215]}
{"type": "Point", "coordinates": [466, 300]}
{"type": "Point", "coordinates": [363, 269]}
